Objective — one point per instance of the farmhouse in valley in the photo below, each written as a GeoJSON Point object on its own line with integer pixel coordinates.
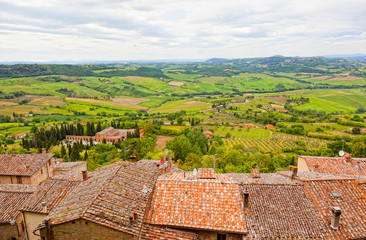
{"type": "Point", "coordinates": [110, 135]}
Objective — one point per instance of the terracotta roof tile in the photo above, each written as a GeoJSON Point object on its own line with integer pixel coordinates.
{"type": "Point", "coordinates": [282, 212]}
{"type": "Point", "coordinates": [12, 198]}
{"type": "Point", "coordinates": [336, 165]}
{"type": "Point", "coordinates": [51, 192]}
{"type": "Point", "coordinates": [22, 164]}
{"type": "Point", "coordinates": [254, 173]}
{"type": "Point", "coordinates": [110, 196]}
{"type": "Point", "coordinates": [67, 165]}
{"type": "Point", "coordinates": [265, 178]}
{"type": "Point", "coordinates": [206, 173]}
{"type": "Point", "coordinates": [175, 175]}
{"type": "Point", "coordinates": [349, 197]}
{"type": "Point", "coordinates": [197, 204]}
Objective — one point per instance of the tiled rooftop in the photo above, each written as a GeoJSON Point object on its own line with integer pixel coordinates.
{"type": "Point", "coordinates": [72, 176]}
{"type": "Point", "coordinates": [22, 164]}
{"type": "Point", "coordinates": [151, 232]}
{"type": "Point", "coordinates": [265, 178]}
{"type": "Point", "coordinates": [197, 204]}
{"type": "Point", "coordinates": [282, 212]}
{"type": "Point", "coordinates": [111, 132]}
{"type": "Point", "coordinates": [349, 197]}
{"type": "Point", "coordinates": [205, 173]}
{"type": "Point", "coordinates": [51, 192]}
{"type": "Point", "coordinates": [336, 165]}
{"type": "Point", "coordinates": [12, 198]}
{"type": "Point", "coordinates": [110, 196]}
{"type": "Point", "coordinates": [314, 175]}
{"type": "Point", "coordinates": [67, 165]}
{"type": "Point", "coordinates": [188, 176]}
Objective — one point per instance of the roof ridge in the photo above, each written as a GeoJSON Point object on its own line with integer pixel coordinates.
{"type": "Point", "coordinates": [20, 160]}
{"type": "Point", "coordinates": [101, 189]}
{"type": "Point", "coordinates": [328, 179]}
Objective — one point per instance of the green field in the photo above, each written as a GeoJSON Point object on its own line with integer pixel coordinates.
{"type": "Point", "coordinates": [334, 100]}
{"type": "Point", "coordinates": [182, 105]}
{"type": "Point", "coordinates": [238, 132]}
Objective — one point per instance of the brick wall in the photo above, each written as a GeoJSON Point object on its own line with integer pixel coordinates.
{"type": "Point", "coordinates": [85, 230]}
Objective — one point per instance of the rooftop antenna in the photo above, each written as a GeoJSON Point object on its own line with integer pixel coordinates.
{"type": "Point", "coordinates": [260, 162]}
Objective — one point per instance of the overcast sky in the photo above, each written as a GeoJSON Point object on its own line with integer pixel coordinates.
{"type": "Point", "coordinates": [53, 30]}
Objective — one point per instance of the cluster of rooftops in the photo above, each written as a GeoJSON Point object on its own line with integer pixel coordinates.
{"type": "Point", "coordinates": [321, 198]}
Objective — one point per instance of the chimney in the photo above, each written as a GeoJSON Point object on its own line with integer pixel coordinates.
{"type": "Point", "coordinates": [162, 160]}
{"type": "Point", "coordinates": [44, 207]}
{"type": "Point", "coordinates": [133, 158]}
{"type": "Point", "coordinates": [131, 220]}
{"type": "Point", "coordinates": [43, 150]}
{"type": "Point", "coordinates": [246, 198]}
{"type": "Point", "coordinates": [254, 173]}
{"type": "Point", "coordinates": [158, 164]}
{"type": "Point", "coordinates": [294, 171]}
{"type": "Point", "coordinates": [316, 168]}
{"type": "Point", "coordinates": [170, 160]}
{"type": "Point", "coordinates": [85, 175]}
{"type": "Point", "coordinates": [135, 215]}
{"type": "Point", "coordinates": [336, 215]}
{"type": "Point", "coordinates": [348, 157]}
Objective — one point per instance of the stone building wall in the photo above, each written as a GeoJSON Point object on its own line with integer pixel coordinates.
{"type": "Point", "coordinates": [85, 230]}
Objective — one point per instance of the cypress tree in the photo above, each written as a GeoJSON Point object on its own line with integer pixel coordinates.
{"type": "Point", "coordinates": [92, 128]}
{"type": "Point", "coordinates": [63, 151]}
{"type": "Point", "coordinates": [69, 149]}
{"type": "Point", "coordinates": [88, 129]}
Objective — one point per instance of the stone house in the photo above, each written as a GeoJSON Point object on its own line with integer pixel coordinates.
{"type": "Point", "coordinates": [25, 168]}
{"type": "Point", "coordinates": [12, 198]}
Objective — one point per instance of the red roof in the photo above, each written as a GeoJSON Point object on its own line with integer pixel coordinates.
{"type": "Point", "coordinates": [270, 126]}
{"type": "Point", "coordinates": [336, 165]}
{"type": "Point", "coordinates": [110, 196]}
{"type": "Point", "coordinates": [12, 198]}
{"type": "Point", "coordinates": [52, 191]}
{"type": "Point", "coordinates": [195, 204]}
{"type": "Point", "coordinates": [281, 211]}
{"type": "Point", "coordinates": [349, 197]}
{"type": "Point", "coordinates": [22, 164]}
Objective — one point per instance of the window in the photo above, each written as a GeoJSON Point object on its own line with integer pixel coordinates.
{"type": "Point", "coordinates": [19, 180]}
{"type": "Point", "coordinates": [221, 236]}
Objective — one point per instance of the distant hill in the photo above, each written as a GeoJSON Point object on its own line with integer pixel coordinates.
{"type": "Point", "coordinates": [361, 57]}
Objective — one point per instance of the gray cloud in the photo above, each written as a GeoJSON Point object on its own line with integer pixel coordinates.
{"type": "Point", "coordinates": [137, 29]}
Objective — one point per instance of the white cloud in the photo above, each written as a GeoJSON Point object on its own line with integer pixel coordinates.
{"type": "Point", "coordinates": [154, 29]}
